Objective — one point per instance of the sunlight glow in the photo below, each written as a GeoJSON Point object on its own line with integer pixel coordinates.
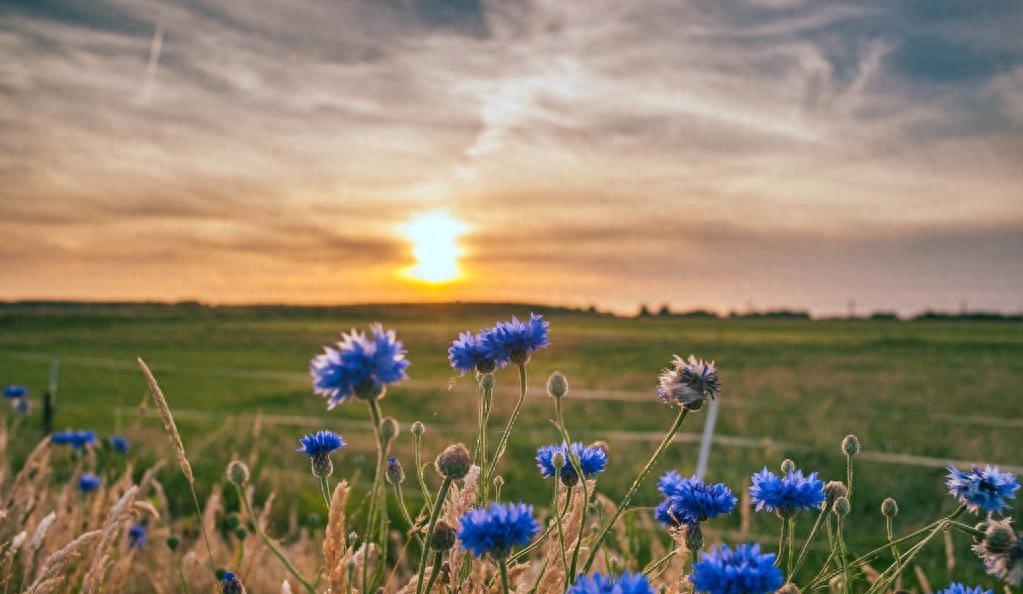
{"type": "Point", "coordinates": [434, 237]}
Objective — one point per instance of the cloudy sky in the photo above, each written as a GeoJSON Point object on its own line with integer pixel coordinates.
{"type": "Point", "coordinates": [692, 152]}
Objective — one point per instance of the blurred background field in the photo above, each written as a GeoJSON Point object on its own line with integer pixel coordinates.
{"type": "Point", "coordinates": [917, 394]}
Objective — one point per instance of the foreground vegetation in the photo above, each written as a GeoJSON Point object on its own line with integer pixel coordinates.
{"type": "Point", "coordinates": [231, 374]}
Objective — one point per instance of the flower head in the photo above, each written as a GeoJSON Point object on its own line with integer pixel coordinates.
{"type": "Point", "coordinates": [119, 444]}
{"type": "Point", "coordinates": [136, 536]}
{"type": "Point", "coordinates": [498, 528]}
{"type": "Point", "coordinates": [15, 391]}
{"type": "Point", "coordinates": [394, 473]}
{"type": "Point", "coordinates": [689, 501]}
{"type": "Point", "coordinates": [319, 443]}
{"type": "Point", "coordinates": [467, 354]}
{"type": "Point", "coordinates": [592, 460]}
{"type": "Point", "coordinates": [688, 382]}
{"type": "Point", "coordinates": [959, 588]}
{"type": "Point", "coordinates": [787, 494]}
{"type": "Point", "coordinates": [985, 489]}
{"type": "Point", "coordinates": [514, 341]}
{"type": "Point", "coordinates": [88, 483]}
{"type": "Point", "coordinates": [627, 583]}
{"type": "Point", "coordinates": [742, 570]}
{"type": "Point", "coordinates": [76, 439]}
{"type": "Point", "coordinates": [230, 584]}
{"type": "Point", "coordinates": [360, 366]}
{"type": "Point", "coordinates": [1001, 550]}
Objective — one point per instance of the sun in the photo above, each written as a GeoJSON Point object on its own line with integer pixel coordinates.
{"type": "Point", "coordinates": [434, 238]}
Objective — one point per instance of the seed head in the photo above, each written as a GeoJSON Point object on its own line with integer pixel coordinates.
{"type": "Point", "coordinates": [889, 507]}
{"type": "Point", "coordinates": [389, 429]}
{"type": "Point", "coordinates": [999, 537]}
{"type": "Point", "coordinates": [851, 445]}
{"type": "Point", "coordinates": [443, 536]}
{"type": "Point", "coordinates": [557, 385]}
{"type": "Point", "coordinates": [238, 472]}
{"type": "Point", "coordinates": [842, 506]}
{"type": "Point", "coordinates": [394, 473]}
{"type": "Point", "coordinates": [454, 462]}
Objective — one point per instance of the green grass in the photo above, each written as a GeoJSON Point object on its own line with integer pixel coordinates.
{"type": "Point", "coordinates": [947, 390]}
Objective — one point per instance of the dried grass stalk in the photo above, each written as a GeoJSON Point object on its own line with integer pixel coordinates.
{"type": "Point", "coordinates": [168, 422]}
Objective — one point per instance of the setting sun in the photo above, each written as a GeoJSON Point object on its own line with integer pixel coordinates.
{"type": "Point", "coordinates": [434, 238]}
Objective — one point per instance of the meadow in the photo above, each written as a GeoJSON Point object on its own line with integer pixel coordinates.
{"type": "Point", "coordinates": [917, 394]}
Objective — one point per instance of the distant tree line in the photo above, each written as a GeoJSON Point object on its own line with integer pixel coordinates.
{"type": "Point", "coordinates": [793, 314]}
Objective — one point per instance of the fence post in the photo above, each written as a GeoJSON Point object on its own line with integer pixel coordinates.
{"type": "Point", "coordinates": [708, 437]}
{"type": "Point", "coordinates": [50, 397]}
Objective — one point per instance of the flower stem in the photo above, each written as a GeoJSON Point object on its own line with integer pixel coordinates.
{"type": "Point", "coordinates": [374, 411]}
{"type": "Point", "coordinates": [561, 532]}
{"type": "Point", "coordinates": [842, 554]}
{"type": "Point", "coordinates": [537, 542]}
{"type": "Point", "coordinates": [433, 572]}
{"type": "Point", "coordinates": [441, 495]}
{"type": "Point", "coordinates": [809, 539]}
{"type": "Point", "coordinates": [502, 564]}
{"type": "Point", "coordinates": [408, 517]}
{"type": "Point", "coordinates": [849, 475]}
{"type": "Point", "coordinates": [502, 444]}
{"type": "Point", "coordinates": [427, 499]}
{"type": "Point", "coordinates": [270, 544]}
{"type": "Point", "coordinates": [325, 488]}
{"type": "Point", "coordinates": [792, 537]}
{"type": "Point", "coordinates": [577, 467]}
{"type": "Point", "coordinates": [891, 541]}
{"type": "Point", "coordinates": [668, 437]}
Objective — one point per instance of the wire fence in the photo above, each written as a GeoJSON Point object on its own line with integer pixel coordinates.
{"type": "Point", "coordinates": [728, 441]}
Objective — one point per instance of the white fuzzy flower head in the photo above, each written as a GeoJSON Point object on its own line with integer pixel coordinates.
{"type": "Point", "coordinates": [689, 382]}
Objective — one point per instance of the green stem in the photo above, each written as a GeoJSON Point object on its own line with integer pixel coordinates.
{"type": "Point", "coordinates": [536, 543]}
{"type": "Point", "coordinates": [181, 576]}
{"type": "Point", "coordinates": [654, 565]}
{"type": "Point", "coordinates": [891, 541]}
{"type": "Point", "coordinates": [635, 487]}
{"type": "Point", "coordinates": [325, 488]}
{"type": "Point", "coordinates": [809, 539]}
{"type": "Point", "coordinates": [781, 545]}
{"type": "Point", "coordinates": [441, 495]}
{"type": "Point", "coordinates": [427, 499]}
{"type": "Point", "coordinates": [561, 533]}
{"type": "Point", "coordinates": [374, 411]}
{"type": "Point", "coordinates": [502, 564]}
{"type": "Point", "coordinates": [502, 444]}
{"type": "Point", "coordinates": [270, 544]}
{"type": "Point", "coordinates": [849, 475]}
{"type": "Point", "coordinates": [577, 467]}
{"type": "Point", "coordinates": [842, 553]}
{"type": "Point", "coordinates": [433, 572]}
{"type": "Point", "coordinates": [792, 536]}
{"type": "Point", "coordinates": [408, 517]}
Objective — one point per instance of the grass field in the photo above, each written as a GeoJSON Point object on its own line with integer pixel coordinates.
{"type": "Point", "coordinates": [936, 390]}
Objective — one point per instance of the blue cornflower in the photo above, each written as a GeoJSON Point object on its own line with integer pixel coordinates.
{"type": "Point", "coordinates": [15, 391]}
{"type": "Point", "coordinates": [230, 584]}
{"type": "Point", "coordinates": [688, 382]}
{"type": "Point", "coordinates": [627, 583]}
{"type": "Point", "coordinates": [787, 494]}
{"type": "Point", "coordinates": [514, 341]}
{"type": "Point", "coordinates": [76, 439]}
{"type": "Point", "coordinates": [691, 501]}
{"type": "Point", "coordinates": [359, 367]}
{"type": "Point", "coordinates": [88, 482]}
{"type": "Point", "coordinates": [984, 489]}
{"type": "Point", "coordinates": [959, 588]}
{"type": "Point", "coordinates": [119, 443]}
{"type": "Point", "coordinates": [742, 570]}
{"type": "Point", "coordinates": [498, 528]}
{"type": "Point", "coordinates": [136, 536]}
{"type": "Point", "coordinates": [320, 443]}
{"type": "Point", "coordinates": [592, 460]}
{"type": "Point", "coordinates": [467, 353]}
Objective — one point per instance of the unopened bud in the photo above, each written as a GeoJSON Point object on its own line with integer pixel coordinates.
{"type": "Point", "coordinates": [454, 462]}
{"type": "Point", "coordinates": [322, 465]}
{"type": "Point", "coordinates": [232, 521]}
{"type": "Point", "coordinates": [833, 490]}
{"type": "Point", "coordinates": [230, 584]}
{"type": "Point", "coordinates": [173, 542]}
{"type": "Point", "coordinates": [558, 461]}
{"type": "Point", "coordinates": [889, 507]}
{"type": "Point", "coordinates": [788, 466]}
{"type": "Point", "coordinates": [241, 533]}
{"type": "Point", "coordinates": [557, 385]}
{"type": "Point", "coordinates": [418, 428]}
{"type": "Point", "coordinates": [394, 473]}
{"type": "Point", "coordinates": [389, 429]}
{"type": "Point", "coordinates": [851, 445]}
{"type": "Point", "coordinates": [443, 536]}
{"type": "Point", "coordinates": [842, 506]}
{"type": "Point", "coordinates": [601, 445]}
{"type": "Point", "coordinates": [238, 472]}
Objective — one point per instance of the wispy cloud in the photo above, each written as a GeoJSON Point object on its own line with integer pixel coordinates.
{"type": "Point", "coordinates": [273, 148]}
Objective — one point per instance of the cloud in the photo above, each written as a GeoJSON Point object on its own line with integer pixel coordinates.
{"type": "Point", "coordinates": [280, 141]}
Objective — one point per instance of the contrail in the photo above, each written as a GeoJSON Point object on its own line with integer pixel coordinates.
{"type": "Point", "coordinates": [154, 61]}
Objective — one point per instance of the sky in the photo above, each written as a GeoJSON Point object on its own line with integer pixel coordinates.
{"type": "Point", "coordinates": [697, 153]}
